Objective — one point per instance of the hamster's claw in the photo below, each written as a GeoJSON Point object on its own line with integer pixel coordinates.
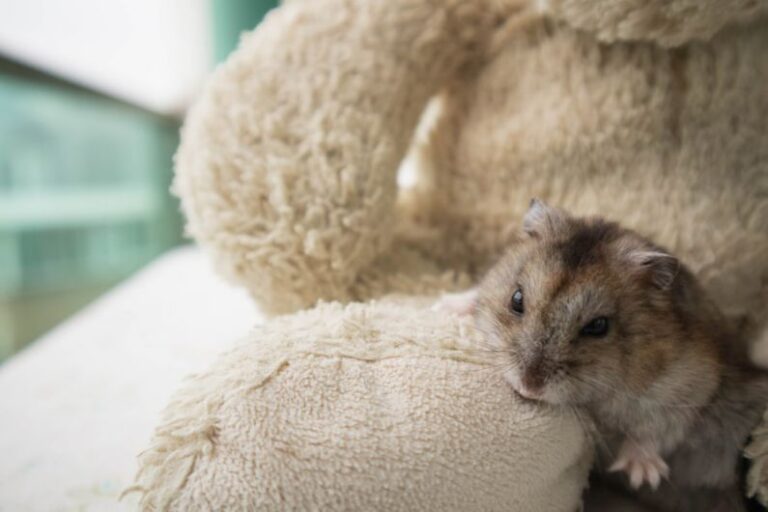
{"type": "Point", "coordinates": [642, 464]}
{"type": "Point", "coordinates": [460, 304]}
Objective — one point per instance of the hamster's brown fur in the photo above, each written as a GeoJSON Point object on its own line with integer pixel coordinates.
{"type": "Point", "coordinates": [668, 374]}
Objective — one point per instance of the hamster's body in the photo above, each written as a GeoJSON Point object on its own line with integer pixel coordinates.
{"type": "Point", "coordinates": [705, 466]}
{"type": "Point", "coordinates": [587, 315]}
{"type": "Point", "coordinates": [706, 471]}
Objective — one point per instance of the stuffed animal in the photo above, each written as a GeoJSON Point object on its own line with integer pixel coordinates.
{"type": "Point", "coordinates": [650, 112]}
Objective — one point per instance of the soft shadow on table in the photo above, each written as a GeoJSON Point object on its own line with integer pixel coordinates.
{"type": "Point", "coordinates": [603, 499]}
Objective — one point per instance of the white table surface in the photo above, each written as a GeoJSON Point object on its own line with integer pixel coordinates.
{"type": "Point", "coordinates": [77, 406]}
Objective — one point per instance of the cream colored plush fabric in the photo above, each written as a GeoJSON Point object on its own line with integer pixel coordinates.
{"type": "Point", "coordinates": [653, 113]}
{"type": "Point", "coordinates": [287, 168]}
{"type": "Point", "coordinates": [383, 406]}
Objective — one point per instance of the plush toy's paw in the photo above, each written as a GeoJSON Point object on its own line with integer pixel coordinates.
{"type": "Point", "coordinates": [642, 464]}
{"type": "Point", "coordinates": [457, 303]}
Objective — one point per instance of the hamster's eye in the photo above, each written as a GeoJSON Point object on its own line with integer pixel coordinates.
{"type": "Point", "coordinates": [516, 303]}
{"type": "Point", "coordinates": [597, 327]}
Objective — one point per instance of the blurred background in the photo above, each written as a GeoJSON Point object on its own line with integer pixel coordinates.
{"type": "Point", "coordinates": [92, 94]}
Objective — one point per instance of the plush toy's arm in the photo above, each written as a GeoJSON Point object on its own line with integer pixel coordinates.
{"type": "Point", "coordinates": [668, 22]}
{"type": "Point", "coordinates": [287, 166]}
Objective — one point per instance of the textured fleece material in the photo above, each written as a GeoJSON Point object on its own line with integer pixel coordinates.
{"type": "Point", "coordinates": [650, 112]}
{"type": "Point", "coordinates": [381, 406]}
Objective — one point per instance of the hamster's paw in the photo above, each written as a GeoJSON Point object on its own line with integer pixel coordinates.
{"type": "Point", "coordinates": [642, 464]}
{"type": "Point", "coordinates": [460, 304]}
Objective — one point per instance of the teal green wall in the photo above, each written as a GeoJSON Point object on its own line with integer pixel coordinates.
{"type": "Point", "coordinates": [231, 18]}
{"type": "Point", "coordinates": [84, 199]}
{"type": "Point", "coordinates": [84, 180]}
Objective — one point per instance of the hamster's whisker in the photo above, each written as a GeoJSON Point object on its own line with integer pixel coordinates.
{"type": "Point", "coordinates": [495, 368]}
{"type": "Point", "coordinates": [599, 385]}
{"type": "Point", "coordinates": [584, 419]}
{"type": "Point", "coordinates": [590, 430]}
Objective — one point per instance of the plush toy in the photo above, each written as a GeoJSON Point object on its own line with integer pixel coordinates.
{"type": "Point", "coordinates": [650, 112]}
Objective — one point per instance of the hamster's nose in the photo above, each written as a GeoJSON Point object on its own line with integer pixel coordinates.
{"type": "Point", "coordinates": [532, 384]}
{"type": "Point", "coordinates": [516, 380]}
{"type": "Point", "coordinates": [533, 375]}
{"type": "Point", "coordinates": [526, 392]}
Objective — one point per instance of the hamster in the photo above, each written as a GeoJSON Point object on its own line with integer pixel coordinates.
{"type": "Point", "coordinates": [587, 315]}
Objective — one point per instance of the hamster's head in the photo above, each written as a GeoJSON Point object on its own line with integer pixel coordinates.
{"type": "Point", "coordinates": [580, 310]}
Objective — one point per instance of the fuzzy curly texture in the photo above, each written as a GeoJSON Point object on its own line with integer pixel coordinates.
{"type": "Point", "coordinates": [652, 113]}
{"type": "Point", "coordinates": [287, 164]}
{"type": "Point", "coordinates": [360, 407]}
{"type": "Point", "coordinates": [287, 167]}
{"type": "Point", "coordinates": [667, 23]}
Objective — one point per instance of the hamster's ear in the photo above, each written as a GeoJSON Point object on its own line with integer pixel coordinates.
{"type": "Point", "coordinates": [660, 266]}
{"type": "Point", "coordinates": [543, 221]}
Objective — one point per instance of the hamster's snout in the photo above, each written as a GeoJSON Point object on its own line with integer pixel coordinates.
{"type": "Point", "coordinates": [533, 375]}
{"type": "Point", "coordinates": [530, 393]}
{"type": "Point", "coordinates": [534, 370]}
{"type": "Point", "coordinates": [532, 381]}
{"type": "Point", "coordinates": [526, 383]}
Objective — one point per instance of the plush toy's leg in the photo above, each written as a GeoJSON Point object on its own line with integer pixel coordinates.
{"type": "Point", "coordinates": [461, 304]}
{"type": "Point", "coordinates": [295, 195]}
{"type": "Point", "coordinates": [642, 463]}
